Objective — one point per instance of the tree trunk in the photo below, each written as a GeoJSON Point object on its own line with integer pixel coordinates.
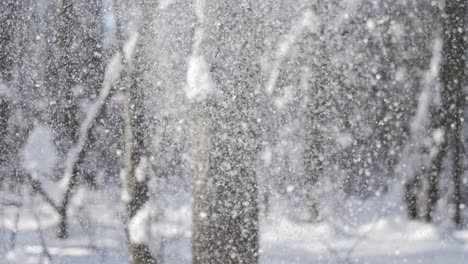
{"type": "Point", "coordinates": [61, 81]}
{"type": "Point", "coordinates": [71, 65]}
{"type": "Point", "coordinates": [457, 172]}
{"type": "Point", "coordinates": [435, 171]}
{"type": "Point", "coordinates": [137, 188]}
{"type": "Point", "coordinates": [448, 118]}
{"type": "Point", "coordinates": [10, 19]}
{"type": "Point", "coordinates": [453, 75]}
{"type": "Point", "coordinates": [225, 195]}
{"type": "Point", "coordinates": [5, 112]}
{"type": "Point", "coordinates": [136, 148]}
{"type": "Point", "coordinates": [411, 196]}
{"type": "Point", "coordinates": [312, 162]}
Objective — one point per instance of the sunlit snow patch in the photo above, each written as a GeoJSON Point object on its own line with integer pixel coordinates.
{"type": "Point", "coordinates": [138, 227]}
{"type": "Point", "coordinates": [199, 82]}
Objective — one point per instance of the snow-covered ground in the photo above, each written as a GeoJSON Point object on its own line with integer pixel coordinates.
{"type": "Point", "coordinates": [363, 232]}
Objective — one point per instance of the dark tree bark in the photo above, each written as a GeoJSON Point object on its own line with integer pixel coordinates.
{"type": "Point", "coordinates": [453, 73]}
{"type": "Point", "coordinates": [60, 79]}
{"type": "Point", "coordinates": [6, 62]}
{"type": "Point", "coordinates": [312, 162]}
{"type": "Point", "coordinates": [63, 73]}
{"type": "Point", "coordinates": [136, 144]}
{"type": "Point", "coordinates": [74, 58]}
{"type": "Point", "coordinates": [5, 112]}
{"type": "Point", "coordinates": [412, 188]}
{"type": "Point", "coordinates": [8, 20]}
{"type": "Point", "coordinates": [436, 165]}
{"type": "Point", "coordinates": [225, 206]}
{"type": "Point", "coordinates": [449, 117]}
{"type": "Point", "coordinates": [135, 150]}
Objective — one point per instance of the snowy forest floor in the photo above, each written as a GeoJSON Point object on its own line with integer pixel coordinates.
{"type": "Point", "coordinates": [370, 231]}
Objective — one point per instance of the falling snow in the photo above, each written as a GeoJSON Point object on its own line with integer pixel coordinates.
{"type": "Point", "coordinates": [219, 131]}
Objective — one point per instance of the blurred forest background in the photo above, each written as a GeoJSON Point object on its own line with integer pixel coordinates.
{"type": "Point", "coordinates": [217, 131]}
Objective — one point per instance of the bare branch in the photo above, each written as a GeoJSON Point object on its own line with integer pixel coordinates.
{"type": "Point", "coordinates": [40, 232]}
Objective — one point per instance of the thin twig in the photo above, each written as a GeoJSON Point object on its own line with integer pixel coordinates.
{"type": "Point", "coordinates": [45, 251]}
{"type": "Point", "coordinates": [14, 232]}
{"type": "Point", "coordinates": [361, 238]}
{"type": "Point", "coordinates": [10, 203]}
{"type": "Point", "coordinates": [38, 189]}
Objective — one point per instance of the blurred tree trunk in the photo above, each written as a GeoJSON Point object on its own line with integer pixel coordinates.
{"type": "Point", "coordinates": [135, 147]}
{"type": "Point", "coordinates": [448, 119]}
{"type": "Point", "coordinates": [412, 187]}
{"type": "Point", "coordinates": [5, 111]}
{"type": "Point", "coordinates": [453, 73]}
{"type": "Point", "coordinates": [458, 166]}
{"type": "Point", "coordinates": [225, 196]}
{"type": "Point", "coordinates": [62, 74]}
{"type": "Point", "coordinates": [312, 161]}
{"type": "Point", "coordinates": [75, 59]}
{"type": "Point", "coordinates": [136, 144]}
{"type": "Point", "coordinates": [61, 82]}
{"type": "Point", "coordinates": [9, 21]}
